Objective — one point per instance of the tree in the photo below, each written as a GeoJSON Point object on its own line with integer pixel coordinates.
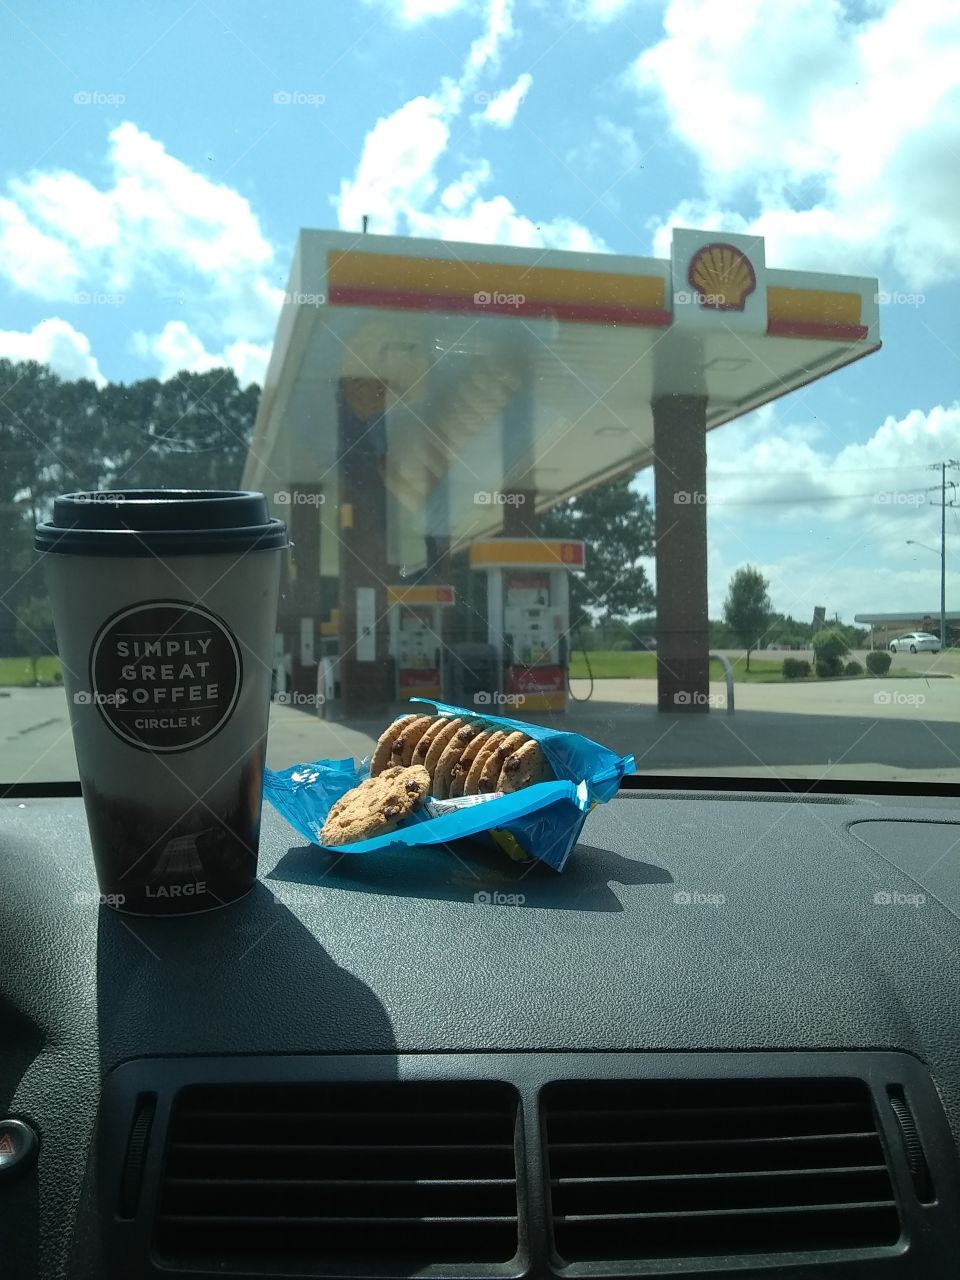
{"type": "Point", "coordinates": [194, 429]}
{"type": "Point", "coordinates": [35, 405]}
{"type": "Point", "coordinates": [58, 436]}
{"type": "Point", "coordinates": [34, 630]}
{"type": "Point", "coordinates": [747, 607]}
{"type": "Point", "coordinates": [616, 523]}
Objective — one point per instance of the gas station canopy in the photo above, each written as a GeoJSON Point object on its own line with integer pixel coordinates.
{"type": "Point", "coordinates": [524, 369]}
{"type": "Point", "coordinates": [427, 397]}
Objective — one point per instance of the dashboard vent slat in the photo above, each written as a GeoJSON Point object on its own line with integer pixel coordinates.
{"type": "Point", "coordinates": [393, 1176]}
{"type": "Point", "coordinates": [706, 1168]}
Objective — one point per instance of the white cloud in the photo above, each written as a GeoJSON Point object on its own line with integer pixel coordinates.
{"type": "Point", "coordinates": [496, 221]}
{"type": "Point", "coordinates": [57, 343]}
{"type": "Point", "coordinates": [793, 471]}
{"type": "Point", "coordinates": [157, 225]}
{"type": "Point", "coordinates": [397, 169]}
{"type": "Point", "coordinates": [397, 181]}
{"type": "Point", "coordinates": [36, 262]}
{"type": "Point", "coordinates": [413, 12]}
{"type": "Point", "coordinates": [501, 110]}
{"type": "Point", "coordinates": [596, 12]}
{"type": "Point", "coordinates": [158, 220]}
{"type": "Point", "coordinates": [612, 147]}
{"type": "Point", "coordinates": [396, 184]}
{"type": "Point", "coordinates": [485, 50]}
{"type": "Point", "coordinates": [177, 348]}
{"type": "Point", "coordinates": [463, 191]}
{"type": "Point", "coordinates": [846, 134]}
{"type": "Point", "coordinates": [826, 519]}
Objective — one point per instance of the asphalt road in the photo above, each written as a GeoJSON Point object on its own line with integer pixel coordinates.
{"type": "Point", "coordinates": [906, 729]}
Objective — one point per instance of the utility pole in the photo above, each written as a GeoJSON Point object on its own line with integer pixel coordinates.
{"type": "Point", "coordinates": [953, 465]}
{"type": "Point", "coordinates": [943, 556]}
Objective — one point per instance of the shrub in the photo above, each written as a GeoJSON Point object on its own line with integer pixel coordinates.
{"type": "Point", "coordinates": [795, 668]}
{"type": "Point", "coordinates": [878, 662]}
{"type": "Point", "coordinates": [828, 667]}
{"type": "Point", "coordinates": [830, 647]}
{"type": "Point", "coordinates": [853, 669]}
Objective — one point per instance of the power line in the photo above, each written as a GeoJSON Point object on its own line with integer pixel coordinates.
{"type": "Point", "coordinates": [720, 473]}
{"type": "Point", "coordinates": [806, 499]}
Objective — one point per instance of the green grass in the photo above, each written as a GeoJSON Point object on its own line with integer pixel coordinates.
{"type": "Point", "coordinates": [608, 664]}
{"type": "Point", "coordinates": [19, 670]}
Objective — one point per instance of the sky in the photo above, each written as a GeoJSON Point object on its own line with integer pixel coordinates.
{"type": "Point", "coordinates": [158, 161]}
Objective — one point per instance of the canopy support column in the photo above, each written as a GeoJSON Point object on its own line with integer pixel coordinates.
{"type": "Point", "coordinates": [680, 483]}
{"type": "Point", "coordinates": [363, 666]}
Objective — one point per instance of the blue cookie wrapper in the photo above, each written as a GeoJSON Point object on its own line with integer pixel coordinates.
{"type": "Point", "coordinates": [543, 821]}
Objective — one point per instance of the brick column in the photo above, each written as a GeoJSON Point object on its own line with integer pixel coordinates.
{"type": "Point", "coordinates": [520, 514]}
{"type": "Point", "coordinates": [365, 687]}
{"type": "Point", "coordinates": [518, 452]}
{"type": "Point", "coordinates": [680, 481]}
{"type": "Point", "coordinates": [304, 601]}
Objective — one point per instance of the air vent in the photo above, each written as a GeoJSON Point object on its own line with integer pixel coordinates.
{"type": "Point", "coordinates": [706, 1168]}
{"type": "Point", "coordinates": [384, 1177]}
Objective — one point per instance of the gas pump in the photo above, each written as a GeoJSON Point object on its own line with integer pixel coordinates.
{"type": "Point", "coordinates": [528, 614]}
{"type": "Point", "coordinates": [415, 638]}
{"type": "Point", "coordinates": [282, 666]}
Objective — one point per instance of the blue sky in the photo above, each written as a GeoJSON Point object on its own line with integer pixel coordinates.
{"type": "Point", "coordinates": [159, 160]}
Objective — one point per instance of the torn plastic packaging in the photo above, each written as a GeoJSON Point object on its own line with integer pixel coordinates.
{"type": "Point", "coordinates": [542, 821]}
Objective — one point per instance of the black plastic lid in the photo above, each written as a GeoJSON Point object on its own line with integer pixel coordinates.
{"type": "Point", "coordinates": [160, 522]}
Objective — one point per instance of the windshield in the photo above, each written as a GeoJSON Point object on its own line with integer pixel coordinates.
{"type": "Point", "coordinates": [600, 356]}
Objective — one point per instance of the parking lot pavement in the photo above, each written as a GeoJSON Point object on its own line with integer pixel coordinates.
{"type": "Point", "coordinates": [36, 744]}
{"type": "Point", "coordinates": [932, 699]}
{"type": "Point", "coordinates": [35, 738]}
{"type": "Point", "coordinates": [895, 729]}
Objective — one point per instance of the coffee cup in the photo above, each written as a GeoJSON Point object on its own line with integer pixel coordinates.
{"type": "Point", "coordinates": [165, 604]}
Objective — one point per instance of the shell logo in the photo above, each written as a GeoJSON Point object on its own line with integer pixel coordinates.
{"type": "Point", "coordinates": [722, 276]}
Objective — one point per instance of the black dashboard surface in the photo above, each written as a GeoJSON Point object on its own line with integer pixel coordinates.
{"type": "Point", "coordinates": [684, 921]}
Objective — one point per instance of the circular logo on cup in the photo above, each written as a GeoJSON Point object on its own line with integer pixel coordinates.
{"type": "Point", "coordinates": [165, 675]}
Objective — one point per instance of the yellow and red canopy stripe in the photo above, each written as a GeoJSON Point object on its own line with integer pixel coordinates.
{"type": "Point", "coordinates": [513, 552]}
{"type": "Point", "coordinates": [398, 282]}
{"type": "Point", "coordinates": [423, 594]}
{"type": "Point", "coordinates": [814, 313]}
{"type": "Point", "coordinates": [401, 282]}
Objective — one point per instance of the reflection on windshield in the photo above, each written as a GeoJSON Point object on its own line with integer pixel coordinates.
{"type": "Point", "coordinates": [574, 414]}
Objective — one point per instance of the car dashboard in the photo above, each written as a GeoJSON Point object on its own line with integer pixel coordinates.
{"type": "Point", "coordinates": [724, 1041]}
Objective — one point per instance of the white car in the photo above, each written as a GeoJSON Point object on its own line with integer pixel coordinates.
{"type": "Point", "coordinates": [916, 642]}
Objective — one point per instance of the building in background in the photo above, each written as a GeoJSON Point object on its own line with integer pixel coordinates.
{"type": "Point", "coordinates": [885, 627]}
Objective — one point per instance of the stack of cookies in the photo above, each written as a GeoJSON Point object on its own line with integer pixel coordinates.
{"type": "Point", "coordinates": [462, 757]}
{"type": "Point", "coordinates": [439, 756]}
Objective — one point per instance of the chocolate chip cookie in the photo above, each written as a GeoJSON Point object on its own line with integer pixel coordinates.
{"type": "Point", "coordinates": [524, 768]}
{"type": "Point", "coordinates": [461, 770]}
{"type": "Point", "coordinates": [428, 737]}
{"type": "Point", "coordinates": [376, 806]}
{"type": "Point", "coordinates": [489, 744]}
{"type": "Point", "coordinates": [389, 746]}
{"type": "Point", "coordinates": [450, 757]}
{"type": "Point", "coordinates": [440, 744]}
{"type": "Point", "coordinates": [412, 736]}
